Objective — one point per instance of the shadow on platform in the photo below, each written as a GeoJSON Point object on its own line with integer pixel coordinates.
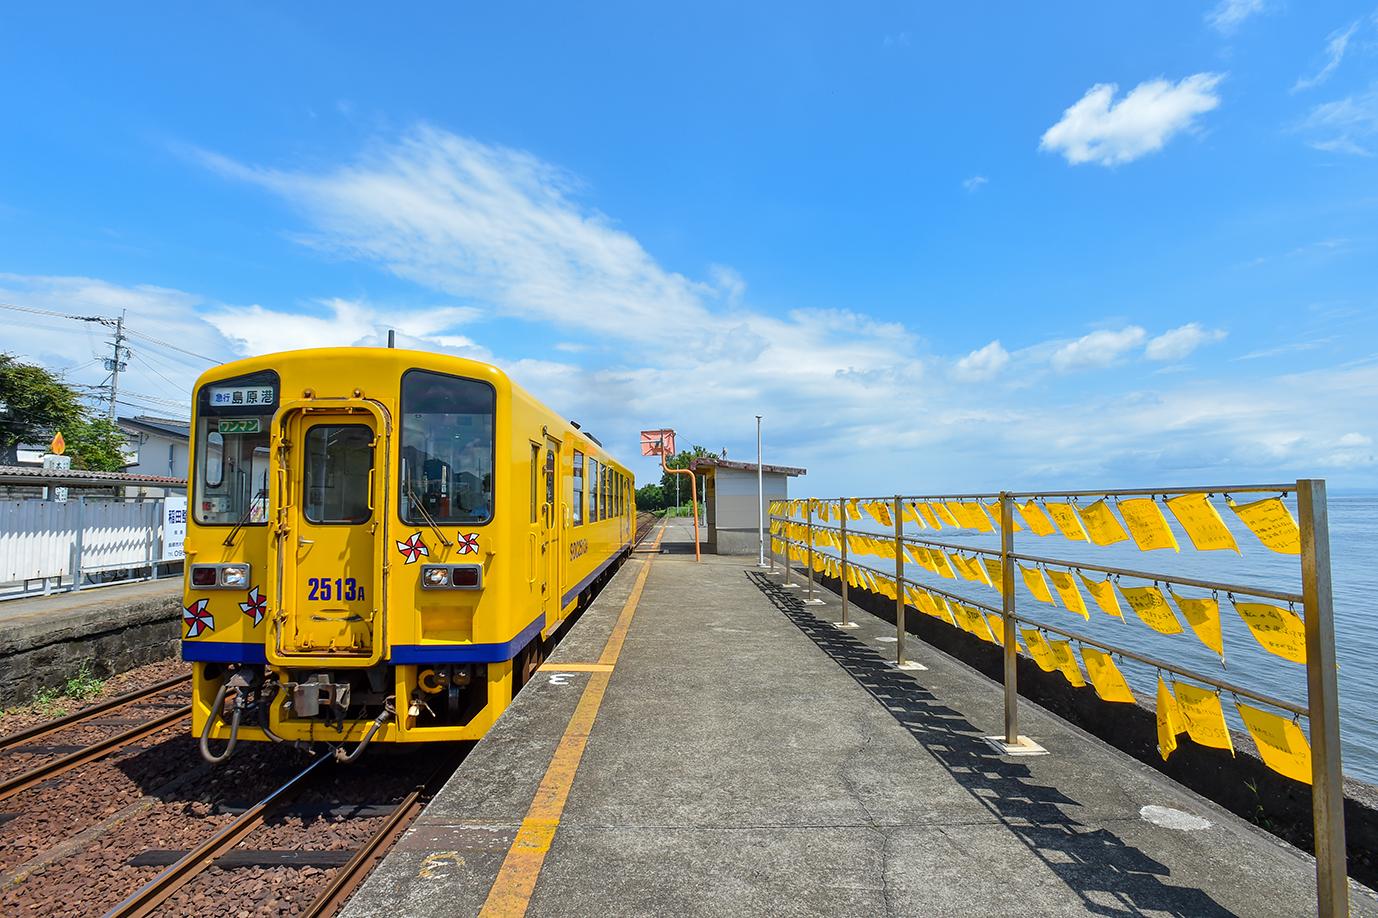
{"type": "Point", "coordinates": [1110, 876]}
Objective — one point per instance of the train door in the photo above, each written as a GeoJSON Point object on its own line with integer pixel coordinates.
{"type": "Point", "coordinates": [552, 555]}
{"type": "Point", "coordinates": [331, 473]}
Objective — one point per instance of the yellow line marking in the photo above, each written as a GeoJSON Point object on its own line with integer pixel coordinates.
{"type": "Point", "coordinates": [511, 891]}
{"type": "Point", "coordinates": [575, 668]}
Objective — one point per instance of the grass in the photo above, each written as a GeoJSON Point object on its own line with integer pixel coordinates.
{"type": "Point", "coordinates": [80, 686]}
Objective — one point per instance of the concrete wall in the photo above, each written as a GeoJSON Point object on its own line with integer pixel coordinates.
{"type": "Point", "coordinates": [113, 629]}
{"type": "Point", "coordinates": [733, 511]}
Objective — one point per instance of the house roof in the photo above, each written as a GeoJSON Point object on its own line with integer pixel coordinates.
{"type": "Point", "coordinates": [715, 462]}
{"type": "Point", "coordinates": [171, 427]}
{"type": "Point", "coordinates": [33, 475]}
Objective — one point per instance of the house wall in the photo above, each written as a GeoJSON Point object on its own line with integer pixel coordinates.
{"type": "Point", "coordinates": [734, 513]}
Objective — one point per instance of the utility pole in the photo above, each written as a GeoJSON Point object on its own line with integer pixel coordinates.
{"type": "Point", "coordinates": [115, 365]}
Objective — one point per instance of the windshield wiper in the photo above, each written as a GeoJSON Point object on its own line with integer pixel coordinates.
{"type": "Point", "coordinates": [415, 502]}
{"type": "Point", "coordinates": [244, 517]}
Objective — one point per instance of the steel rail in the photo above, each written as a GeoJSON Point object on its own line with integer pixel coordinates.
{"type": "Point", "coordinates": [97, 750]}
{"type": "Point", "coordinates": [1164, 665]}
{"type": "Point", "coordinates": [21, 737]}
{"type": "Point", "coordinates": [146, 899]}
{"type": "Point", "coordinates": [1166, 578]}
{"type": "Point", "coordinates": [348, 877]}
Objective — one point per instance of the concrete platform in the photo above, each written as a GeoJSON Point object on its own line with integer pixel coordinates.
{"type": "Point", "coordinates": [44, 639]}
{"type": "Point", "coordinates": [739, 755]}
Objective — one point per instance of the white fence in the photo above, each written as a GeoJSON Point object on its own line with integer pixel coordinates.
{"type": "Point", "coordinates": [47, 545]}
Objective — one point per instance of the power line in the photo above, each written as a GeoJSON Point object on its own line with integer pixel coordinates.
{"type": "Point", "coordinates": [172, 347]}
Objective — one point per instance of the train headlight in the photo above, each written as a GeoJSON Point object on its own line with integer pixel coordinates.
{"type": "Point", "coordinates": [435, 576]}
{"type": "Point", "coordinates": [234, 575]}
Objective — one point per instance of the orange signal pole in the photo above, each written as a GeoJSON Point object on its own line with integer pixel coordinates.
{"type": "Point", "coordinates": [693, 498]}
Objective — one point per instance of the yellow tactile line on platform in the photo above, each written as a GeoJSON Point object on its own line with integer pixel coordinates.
{"type": "Point", "coordinates": [575, 668]}
{"type": "Point", "coordinates": [511, 891]}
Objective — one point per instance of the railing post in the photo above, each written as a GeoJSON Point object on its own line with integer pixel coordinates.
{"type": "Point", "coordinates": [900, 661]}
{"type": "Point", "coordinates": [1007, 608]}
{"type": "Point", "coordinates": [1322, 699]}
{"type": "Point", "coordinates": [771, 547]}
{"type": "Point", "coordinates": [811, 597]}
{"type": "Point", "coordinates": [842, 516]}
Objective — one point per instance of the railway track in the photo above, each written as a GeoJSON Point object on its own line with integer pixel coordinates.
{"type": "Point", "coordinates": [17, 743]}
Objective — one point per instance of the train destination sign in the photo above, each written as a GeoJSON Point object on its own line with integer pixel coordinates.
{"type": "Point", "coordinates": [228, 396]}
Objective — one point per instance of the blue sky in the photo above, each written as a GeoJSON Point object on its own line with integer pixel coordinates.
{"type": "Point", "coordinates": [980, 246]}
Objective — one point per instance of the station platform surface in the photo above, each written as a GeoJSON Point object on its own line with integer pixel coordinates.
{"type": "Point", "coordinates": [702, 743]}
{"type": "Point", "coordinates": [36, 610]}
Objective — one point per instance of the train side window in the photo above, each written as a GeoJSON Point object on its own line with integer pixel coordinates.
{"type": "Point", "coordinates": [607, 488]}
{"type": "Point", "coordinates": [593, 490]}
{"type": "Point", "coordinates": [535, 477]}
{"type": "Point", "coordinates": [578, 477]}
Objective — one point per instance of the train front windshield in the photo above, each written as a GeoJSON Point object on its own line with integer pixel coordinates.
{"type": "Point", "coordinates": [447, 449]}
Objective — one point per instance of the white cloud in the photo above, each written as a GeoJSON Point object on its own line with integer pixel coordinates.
{"type": "Point", "coordinates": [975, 182]}
{"type": "Point", "coordinates": [1227, 15]}
{"type": "Point", "coordinates": [1099, 130]}
{"type": "Point", "coordinates": [342, 323]}
{"type": "Point", "coordinates": [1346, 125]}
{"type": "Point", "coordinates": [1180, 342]}
{"type": "Point", "coordinates": [983, 363]}
{"type": "Point", "coordinates": [1098, 349]}
{"type": "Point", "coordinates": [1336, 45]}
{"type": "Point", "coordinates": [488, 223]}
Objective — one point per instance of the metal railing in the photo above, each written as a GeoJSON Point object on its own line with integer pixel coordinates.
{"type": "Point", "coordinates": [1321, 708]}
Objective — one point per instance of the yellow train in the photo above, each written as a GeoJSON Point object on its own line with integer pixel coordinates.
{"type": "Point", "coordinates": [379, 544]}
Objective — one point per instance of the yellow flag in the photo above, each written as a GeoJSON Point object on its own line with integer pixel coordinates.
{"type": "Point", "coordinates": [1033, 579]}
{"type": "Point", "coordinates": [929, 517]}
{"type": "Point", "coordinates": [1201, 715]}
{"type": "Point", "coordinates": [1281, 743]}
{"type": "Point", "coordinates": [852, 577]}
{"type": "Point", "coordinates": [976, 624]}
{"type": "Point", "coordinates": [1035, 518]}
{"type": "Point", "coordinates": [1066, 662]}
{"type": "Point", "coordinates": [994, 573]}
{"type": "Point", "coordinates": [1100, 524]}
{"type": "Point", "coordinates": [1202, 522]}
{"type": "Point", "coordinates": [976, 517]}
{"type": "Point", "coordinates": [1066, 519]}
{"type": "Point", "coordinates": [1146, 524]}
{"type": "Point", "coordinates": [1148, 603]}
{"type": "Point", "coordinates": [968, 568]}
{"type": "Point", "coordinates": [945, 609]}
{"type": "Point", "coordinates": [1169, 721]}
{"type": "Point", "coordinates": [1204, 617]}
{"type": "Point", "coordinates": [944, 513]}
{"type": "Point", "coordinates": [1067, 591]}
{"type": "Point", "coordinates": [1106, 676]}
{"type": "Point", "coordinates": [1039, 650]}
{"type": "Point", "coordinates": [1279, 630]}
{"type": "Point", "coordinates": [909, 514]}
{"type": "Point", "coordinates": [943, 564]}
{"type": "Point", "coordinates": [994, 509]}
{"type": "Point", "coordinates": [958, 514]}
{"type": "Point", "coordinates": [1272, 522]}
{"type": "Point", "coordinates": [880, 513]}
{"type": "Point", "coordinates": [1103, 592]}
{"type": "Point", "coordinates": [997, 628]}
{"type": "Point", "coordinates": [852, 512]}
{"type": "Point", "coordinates": [923, 601]}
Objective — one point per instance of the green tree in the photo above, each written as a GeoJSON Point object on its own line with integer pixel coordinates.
{"type": "Point", "coordinates": [649, 498]}
{"type": "Point", "coordinates": [95, 444]}
{"type": "Point", "coordinates": [33, 404]}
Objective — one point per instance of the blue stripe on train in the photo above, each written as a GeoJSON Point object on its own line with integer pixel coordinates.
{"type": "Point", "coordinates": [579, 587]}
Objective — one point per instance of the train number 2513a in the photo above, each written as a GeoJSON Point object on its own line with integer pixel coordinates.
{"type": "Point", "coordinates": [341, 589]}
